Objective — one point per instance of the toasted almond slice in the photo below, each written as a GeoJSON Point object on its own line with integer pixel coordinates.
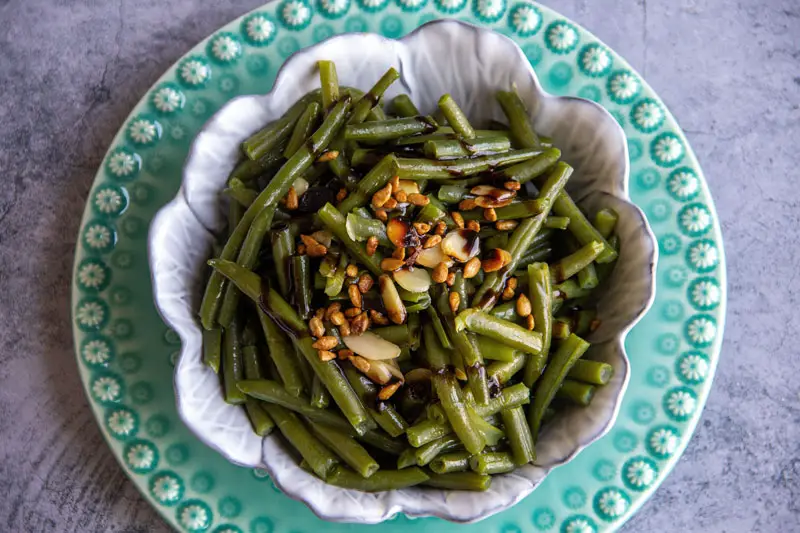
{"type": "Point", "coordinates": [461, 245]}
{"type": "Point", "coordinates": [324, 237]}
{"type": "Point", "coordinates": [371, 346]}
{"type": "Point", "coordinates": [408, 186]}
{"type": "Point", "coordinates": [300, 186]}
{"type": "Point", "coordinates": [417, 280]}
{"type": "Point", "coordinates": [431, 257]}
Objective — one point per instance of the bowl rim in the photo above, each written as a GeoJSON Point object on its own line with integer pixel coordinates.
{"type": "Point", "coordinates": [619, 339]}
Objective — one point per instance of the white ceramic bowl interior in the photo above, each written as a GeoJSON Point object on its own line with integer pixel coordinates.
{"type": "Point", "coordinates": [478, 63]}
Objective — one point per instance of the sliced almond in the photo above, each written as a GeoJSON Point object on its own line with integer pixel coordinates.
{"type": "Point", "coordinates": [408, 186]}
{"type": "Point", "coordinates": [402, 233]}
{"type": "Point", "coordinates": [390, 264]}
{"type": "Point", "coordinates": [300, 187]}
{"type": "Point", "coordinates": [493, 192]}
{"type": "Point", "coordinates": [324, 237]}
{"type": "Point", "coordinates": [416, 280]}
{"type": "Point", "coordinates": [461, 245]}
{"type": "Point", "coordinates": [432, 257]}
{"type": "Point", "coordinates": [389, 390]}
{"type": "Point", "coordinates": [371, 346]}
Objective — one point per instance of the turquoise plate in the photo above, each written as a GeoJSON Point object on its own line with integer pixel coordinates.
{"type": "Point", "coordinates": [125, 353]}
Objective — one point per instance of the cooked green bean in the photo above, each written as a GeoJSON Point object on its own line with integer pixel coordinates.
{"type": "Point", "coordinates": [397, 334]}
{"type": "Point", "coordinates": [360, 229]}
{"type": "Point", "coordinates": [438, 328]}
{"type": "Point", "coordinates": [379, 481]}
{"type": "Point", "coordinates": [407, 458]}
{"type": "Point", "coordinates": [592, 372]}
{"type": "Point", "coordinates": [541, 297]}
{"type": "Point", "coordinates": [282, 355]}
{"type": "Point", "coordinates": [302, 129]}
{"type": "Point", "coordinates": [435, 355]}
{"type": "Point", "coordinates": [496, 350]}
{"type": "Point", "coordinates": [232, 371]}
{"type": "Point", "coordinates": [239, 192]}
{"type": "Point", "coordinates": [569, 290]}
{"type": "Point", "coordinates": [262, 423]}
{"type": "Point", "coordinates": [488, 463]}
{"type": "Point", "coordinates": [560, 363]}
{"type": "Point", "coordinates": [581, 228]}
{"type": "Point", "coordinates": [319, 458]}
{"type": "Point", "coordinates": [388, 129]}
{"type": "Point", "coordinates": [334, 284]}
{"type": "Point", "coordinates": [301, 280]}
{"type": "Point", "coordinates": [500, 330]}
{"type": "Point", "coordinates": [460, 481]}
{"type": "Point", "coordinates": [556, 222]}
{"type": "Point", "coordinates": [329, 83]}
{"type": "Point", "coordinates": [452, 148]}
{"type": "Point", "coordinates": [451, 194]}
{"type": "Point", "coordinates": [518, 120]}
{"type": "Point", "coordinates": [605, 221]}
{"type": "Point", "coordinates": [248, 170]}
{"type": "Point", "coordinates": [583, 323]}
{"type": "Point", "coordinates": [570, 265]}
{"type": "Point", "coordinates": [252, 363]}
{"type": "Point", "coordinates": [519, 435]}
{"type": "Point", "coordinates": [576, 392]}
{"type": "Point", "coordinates": [320, 398]}
{"type": "Point", "coordinates": [456, 117]}
{"type": "Point", "coordinates": [587, 277]}
{"type": "Point", "coordinates": [417, 169]}
{"type": "Point", "coordinates": [263, 141]}
{"type": "Point", "coordinates": [282, 240]}
{"type": "Point", "coordinates": [427, 453]}
{"type": "Point", "coordinates": [450, 462]}
{"type": "Point", "coordinates": [335, 223]}
{"type": "Point", "coordinates": [386, 416]}
{"type": "Point", "coordinates": [503, 371]}
{"type": "Point", "coordinates": [212, 348]}
{"type": "Point", "coordinates": [348, 450]}
{"type": "Point", "coordinates": [452, 399]}
{"type": "Point", "coordinates": [375, 179]}
{"type": "Point", "coordinates": [533, 168]}
{"type": "Point", "coordinates": [562, 327]}
{"type": "Point", "coordinates": [272, 392]}
{"type": "Point", "coordinates": [372, 97]}
{"type": "Point", "coordinates": [402, 106]}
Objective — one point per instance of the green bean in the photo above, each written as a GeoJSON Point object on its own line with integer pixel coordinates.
{"type": "Point", "coordinates": [397, 334]}
{"type": "Point", "coordinates": [421, 305]}
{"type": "Point", "coordinates": [456, 117]}
{"type": "Point", "coordinates": [429, 430]}
{"type": "Point", "coordinates": [427, 453]}
{"type": "Point", "coordinates": [587, 277]}
{"type": "Point", "coordinates": [407, 458]}
{"type": "Point", "coordinates": [259, 419]}
{"type": "Point", "coordinates": [583, 322]}
{"type": "Point", "coordinates": [569, 290]}
{"type": "Point", "coordinates": [488, 463]}
{"type": "Point", "coordinates": [593, 372]}
{"type": "Point", "coordinates": [269, 137]}
{"type": "Point", "coordinates": [375, 179]}
{"type": "Point", "coordinates": [560, 363]}
{"type": "Point", "coordinates": [604, 270]}
{"type": "Point", "coordinates": [581, 228]}
{"type": "Point", "coordinates": [360, 229]}
{"type": "Point", "coordinates": [533, 168]}
{"type": "Point", "coordinates": [372, 97]}
{"type": "Point", "coordinates": [319, 458]}
{"type": "Point", "coordinates": [434, 211]}
{"type": "Point", "coordinates": [562, 328]}
{"type": "Point", "coordinates": [503, 371]}
{"type": "Point", "coordinates": [451, 194]}
{"type": "Point", "coordinates": [301, 281]}
{"type": "Point", "coordinates": [380, 441]}
{"type": "Point", "coordinates": [605, 221]}
{"type": "Point", "coordinates": [239, 192]}
{"type": "Point", "coordinates": [302, 129]}
{"type": "Point", "coordinates": [460, 481]}
{"type": "Point", "coordinates": [500, 330]}
{"type": "Point", "coordinates": [541, 296]}
{"type": "Point", "coordinates": [552, 222]}
{"type": "Point", "coordinates": [436, 356]}
{"type": "Point", "coordinates": [334, 283]}
{"type": "Point", "coordinates": [575, 262]}
{"type": "Point", "coordinates": [275, 190]}
{"type": "Point", "coordinates": [212, 348]}
{"type": "Point", "coordinates": [348, 450]}
{"type": "Point", "coordinates": [506, 311]}
{"type": "Point", "coordinates": [452, 399]}
{"type": "Point", "coordinates": [402, 106]}
{"type": "Point", "coordinates": [447, 134]}
{"type": "Point", "coordinates": [519, 435]}
{"type": "Point", "coordinates": [232, 370]}
{"type": "Point", "coordinates": [282, 240]}
{"type": "Point", "coordinates": [414, 330]}
{"type": "Point", "coordinates": [282, 354]}
{"type": "Point", "coordinates": [495, 350]}
{"type": "Point", "coordinates": [247, 258]}
{"type": "Point", "coordinates": [335, 223]}
{"type": "Point", "coordinates": [248, 170]}
{"type": "Point", "coordinates": [252, 364]}
{"type": "Point", "coordinates": [438, 328]}
{"type": "Point", "coordinates": [450, 462]}
{"type": "Point", "coordinates": [320, 398]}
{"type": "Point", "coordinates": [386, 416]}
{"type": "Point", "coordinates": [329, 83]}
{"type": "Point", "coordinates": [518, 119]}
{"type": "Point", "coordinates": [417, 169]}
{"type": "Point", "coordinates": [380, 481]}
{"type": "Point", "coordinates": [522, 237]}
{"type": "Point", "coordinates": [388, 129]}
{"type": "Point", "coordinates": [339, 164]}
{"type": "Point", "coordinates": [377, 114]}
{"type": "Point", "coordinates": [576, 392]}
{"type": "Point", "coordinates": [454, 148]}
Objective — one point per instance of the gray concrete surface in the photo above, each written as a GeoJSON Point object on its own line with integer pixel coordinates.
{"type": "Point", "coordinates": [730, 72]}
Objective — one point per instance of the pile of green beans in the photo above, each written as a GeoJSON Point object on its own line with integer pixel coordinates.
{"type": "Point", "coordinates": [404, 298]}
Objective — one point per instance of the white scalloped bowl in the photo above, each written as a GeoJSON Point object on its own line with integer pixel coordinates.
{"type": "Point", "coordinates": [478, 63]}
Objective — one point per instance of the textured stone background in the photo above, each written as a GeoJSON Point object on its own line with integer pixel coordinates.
{"type": "Point", "coordinates": [729, 71]}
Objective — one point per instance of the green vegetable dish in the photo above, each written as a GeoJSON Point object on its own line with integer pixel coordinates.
{"type": "Point", "coordinates": [404, 296]}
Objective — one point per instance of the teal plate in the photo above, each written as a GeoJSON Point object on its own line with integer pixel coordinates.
{"type": "Point", "coordinates": [126, 354]}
